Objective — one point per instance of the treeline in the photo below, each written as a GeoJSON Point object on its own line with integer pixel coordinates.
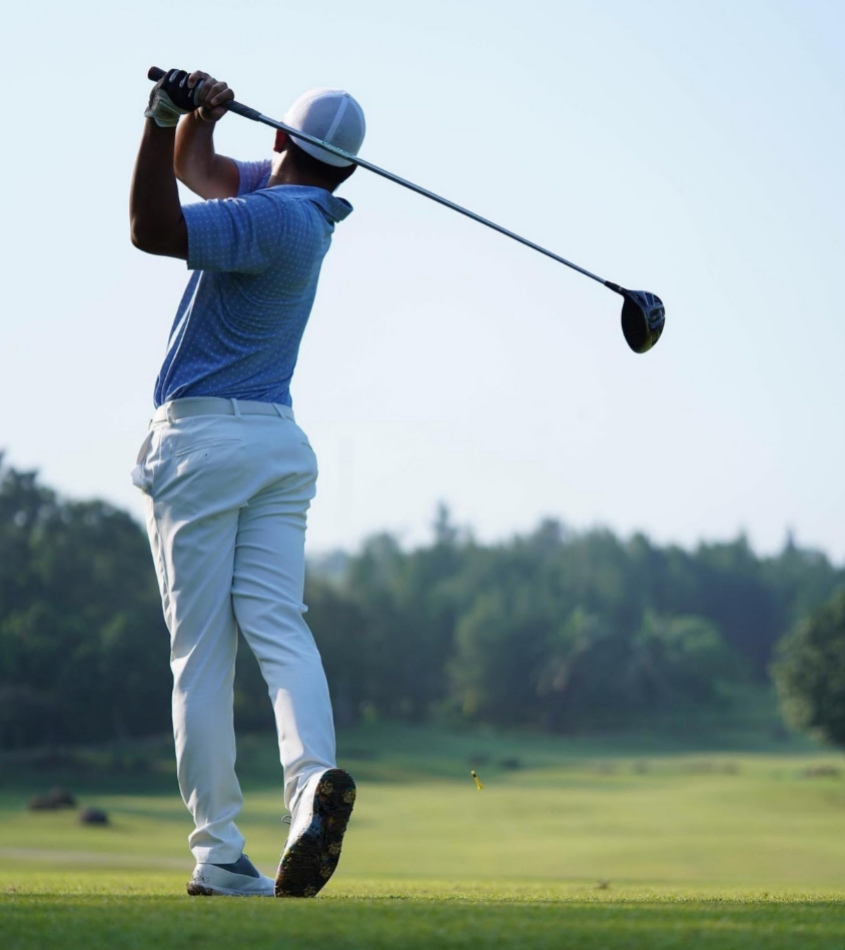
{"type": "Point", "coordinates": [83, 646]}
{"type": "Point", "coordinates": [556, 630]}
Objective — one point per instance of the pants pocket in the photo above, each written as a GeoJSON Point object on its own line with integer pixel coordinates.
{"type": "Point", "coordinates": [140, 474]}
{"type": "Point", "coordinates": [203, 447]}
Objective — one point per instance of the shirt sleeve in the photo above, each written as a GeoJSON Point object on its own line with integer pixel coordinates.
{"type": "Point", "coordinates": [252, 175]}
{"type": "Point", "coordinates": [243, 235]}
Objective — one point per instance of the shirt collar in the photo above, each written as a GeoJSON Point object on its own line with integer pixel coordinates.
{"type": "Point", "coordinates": [335, 208]}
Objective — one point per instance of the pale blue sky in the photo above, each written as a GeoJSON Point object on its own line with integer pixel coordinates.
{"type": "Point", "coordinates": [691, 149]}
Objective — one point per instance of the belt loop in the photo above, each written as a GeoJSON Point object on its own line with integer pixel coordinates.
{"type": "Point", "coordinates": [279, 410]}
{"type": "Point", "coordinates": [168, 412]}
{"type": "Point", "coordinates": [236, 408]}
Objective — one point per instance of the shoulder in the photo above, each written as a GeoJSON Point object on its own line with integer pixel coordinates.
{"type": "Point", "coordinates": [252, 176]}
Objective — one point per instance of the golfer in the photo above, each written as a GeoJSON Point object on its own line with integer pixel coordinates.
{"type": "Point", "coordinates": [228, 475]}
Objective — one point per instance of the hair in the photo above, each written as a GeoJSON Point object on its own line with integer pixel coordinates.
{"type": "Point", "coordinates": [330, 176]}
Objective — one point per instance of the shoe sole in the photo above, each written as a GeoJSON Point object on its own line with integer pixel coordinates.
{"type": "Point", "coordinates": [195, 889]}
{"type": "Point", "coordinates": [311, 860]}
{"type": "Point", "coordinates": [198, 889]}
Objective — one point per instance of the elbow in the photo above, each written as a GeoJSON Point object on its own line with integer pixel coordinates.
{"type": "Point", "coordinates": [155, 240]}
{"type": "Point", "coordinates": [141, 237]}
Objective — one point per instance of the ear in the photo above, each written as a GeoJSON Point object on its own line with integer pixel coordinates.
{"type": "Point", "coordinates": [349, 170]}
{"type": "Point", "coordinates": [281, 142]}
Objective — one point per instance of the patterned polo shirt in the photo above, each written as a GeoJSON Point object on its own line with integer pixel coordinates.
{"type": "Point", "coordinates": [256, 259]}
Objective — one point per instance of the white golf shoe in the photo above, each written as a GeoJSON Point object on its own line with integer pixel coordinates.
{"type": "Point", "coordinates": [241, 879]}
{"type": "Point", "coordinates": [316, 834]}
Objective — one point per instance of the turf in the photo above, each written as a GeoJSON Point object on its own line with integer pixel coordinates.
{"type": "Point", "coordinates": [567, 846]}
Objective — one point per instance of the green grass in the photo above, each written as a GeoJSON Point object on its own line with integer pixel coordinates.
{"type": "Point", "coordinates": [570, 844]}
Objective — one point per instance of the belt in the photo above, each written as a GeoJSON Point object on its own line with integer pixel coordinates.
{"type": "Point", "coordinates": [216, 406]}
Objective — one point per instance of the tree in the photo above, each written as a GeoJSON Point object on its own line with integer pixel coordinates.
{"type": "Point", "coordinates": [582, 679]}
{"type": "Point", "coordinates": [83, 645]}
{"type": "Point", "coordinates": [810, 672]}
{"type": "Point", "coordinates": [338, 627]}
{"type": "Point", "coordinates": [553, 629]}
{"type": "Point", "coordinates": [679, 661]}
{"type": "Point", "coordinates": [499, 645]}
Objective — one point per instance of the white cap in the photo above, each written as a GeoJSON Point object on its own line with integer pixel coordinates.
{"type": "Point", "coordinates": [331, 115]}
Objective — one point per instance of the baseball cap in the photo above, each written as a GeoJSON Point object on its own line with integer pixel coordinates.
{"type": "Point", "coordinates": [331, 115]}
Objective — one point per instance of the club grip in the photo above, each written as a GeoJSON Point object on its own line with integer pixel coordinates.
{"type": "Point", "coordinates": [154, 73]}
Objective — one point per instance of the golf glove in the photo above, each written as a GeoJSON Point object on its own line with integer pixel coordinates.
{"type": "Point", "coordinates": [171, 98]}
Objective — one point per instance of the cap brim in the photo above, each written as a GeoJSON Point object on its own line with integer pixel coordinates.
{"type": "Point", "coordinates": [323, 154]}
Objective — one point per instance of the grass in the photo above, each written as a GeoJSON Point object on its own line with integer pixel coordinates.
{"type": "Point", "coordinates": [570, 844]}
{"type": "Point", "coordinates": [366, 915]}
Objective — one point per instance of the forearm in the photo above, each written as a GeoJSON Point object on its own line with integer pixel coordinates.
{"type": "Point", "coordinates": [155, 213]}
{"type": "Point", "coordinates": [197, 164]}
{"type": "Point", "coordinates": [194, 156]}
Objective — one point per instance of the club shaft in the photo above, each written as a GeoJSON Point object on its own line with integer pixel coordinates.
{"type": "Point", "coordinates": [376, 170]}
{"type": "Point", "coordinates": [250, 113]}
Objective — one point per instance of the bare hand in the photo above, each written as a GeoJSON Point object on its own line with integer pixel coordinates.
{"type": "Point", "coordinates": [211, 96]}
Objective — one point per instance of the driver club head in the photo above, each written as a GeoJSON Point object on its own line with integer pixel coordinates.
{"type": "Point", "coordinates": [643, 317]}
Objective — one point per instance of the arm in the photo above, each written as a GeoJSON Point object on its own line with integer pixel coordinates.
{"type": "Point", "coordinates": [197, 165]}
{"type": "Point", "coordinates": [157, 223]}
{"type": "Point", "coordinates": [155, 213]}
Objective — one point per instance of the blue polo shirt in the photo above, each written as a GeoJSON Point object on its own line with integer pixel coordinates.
{"type": "Point", "coordinates": [256, 259]}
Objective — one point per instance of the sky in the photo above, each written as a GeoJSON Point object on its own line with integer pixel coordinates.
{"type": "Point", "coordinates": [691, 149]}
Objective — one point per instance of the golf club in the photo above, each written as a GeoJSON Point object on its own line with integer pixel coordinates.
{"type": "Point", "coordinates": [643, 313]}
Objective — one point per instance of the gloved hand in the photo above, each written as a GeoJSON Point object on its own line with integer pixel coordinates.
{"type": "Point", "coordinates": [171, 98]}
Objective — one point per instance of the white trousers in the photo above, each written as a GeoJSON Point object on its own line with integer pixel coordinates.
{"type": "Point", "coordinates": [226, 499]}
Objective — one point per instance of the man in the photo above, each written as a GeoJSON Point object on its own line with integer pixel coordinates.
{"type": "Point", "coordinates": [228, 475]}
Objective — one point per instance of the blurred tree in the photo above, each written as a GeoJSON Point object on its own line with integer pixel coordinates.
{"type": "Point", "coordinates": [498, 650]}
{"type": "Point", "coordinates": [372, 584]}
{"type": "Point", "coordinates": [553, 629]}
{"type": "Point", "coordinates": [800, 580]}
{"type": "Point", "coordinates": [810, 672]}
{"type": "Point", "coordinates": [731, 591]}
{"type": "Point", "coordinates": [338, 625]}
{"type": "Point", "coordinates": [83, 646]}
{"type": "Point", "coordinates": [582, 679]}
{"type": "Point", "coordinates": [679, 661]}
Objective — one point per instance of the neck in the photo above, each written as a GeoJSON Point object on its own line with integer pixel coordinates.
{"type": "Point", "coordinates": [284, 173]}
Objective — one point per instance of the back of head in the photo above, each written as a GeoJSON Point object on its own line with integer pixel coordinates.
{"type": "Point", "coordinates": [310, 170]}
{"type": "Point", "coordinates": [332, 116]}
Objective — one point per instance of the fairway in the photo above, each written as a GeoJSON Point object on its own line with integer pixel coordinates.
{"type": "Point", "coordinates": [568, 845]}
